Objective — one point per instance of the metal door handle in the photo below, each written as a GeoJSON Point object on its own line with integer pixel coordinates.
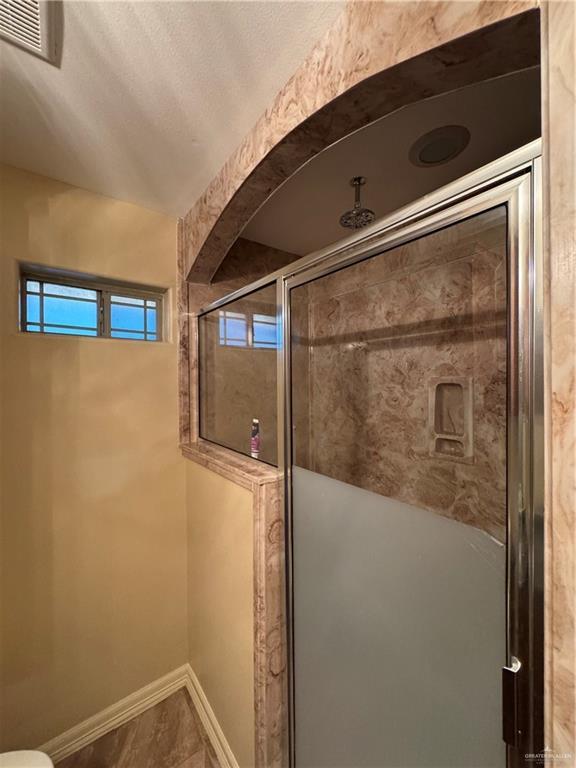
{"type": "Point", "coordinates": [510, 722]}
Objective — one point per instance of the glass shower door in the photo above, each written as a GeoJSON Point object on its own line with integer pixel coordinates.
{"type": "Point", "coordinates": [399, 504]}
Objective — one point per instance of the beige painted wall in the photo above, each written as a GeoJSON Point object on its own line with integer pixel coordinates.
{"type": "Point", "coordinates": [94, 520]}
{"type": "Point", "coordinates": [221, 614]}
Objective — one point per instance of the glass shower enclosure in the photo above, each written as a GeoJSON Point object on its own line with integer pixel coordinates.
{"type": "Point", "coordinates": [409, 384]}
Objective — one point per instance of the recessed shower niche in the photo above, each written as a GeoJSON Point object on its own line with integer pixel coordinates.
{"type": "Point", "coordinates": [451, 418]}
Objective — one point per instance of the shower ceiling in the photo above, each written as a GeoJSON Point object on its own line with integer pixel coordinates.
{"type": "Point", "coordinates": [500, 115]}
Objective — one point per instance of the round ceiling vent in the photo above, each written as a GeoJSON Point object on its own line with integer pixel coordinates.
{"type": "Point", "coordinates": [439, 146]}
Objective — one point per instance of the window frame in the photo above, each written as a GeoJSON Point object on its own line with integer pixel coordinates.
{"type": "Point", "coordinates": [224, 338]}
{"type": "Point", "coordinates": [271, 321]}
{"type": "Point", "coordinates": [249, 341]}
{"type": "Point", "coordinates": [104, 289]}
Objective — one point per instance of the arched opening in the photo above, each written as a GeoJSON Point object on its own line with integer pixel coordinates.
{"type": "Point", "coordinates": [480, 59]}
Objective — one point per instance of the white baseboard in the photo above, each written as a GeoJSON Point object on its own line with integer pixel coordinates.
{"type": "Point", "coordinates": [133, 705]}
{"type": "Point", "coordinates": [211, 725]}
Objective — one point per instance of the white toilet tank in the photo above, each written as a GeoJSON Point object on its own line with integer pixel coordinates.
{"type": "Point", "coordinates": [25, 759]}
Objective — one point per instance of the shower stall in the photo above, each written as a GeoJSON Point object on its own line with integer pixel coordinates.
{"type": "Point", "coordinates": [397, 377]}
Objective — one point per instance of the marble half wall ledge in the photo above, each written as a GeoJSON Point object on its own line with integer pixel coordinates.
{"type": "Point", "coordinates": [242, 470]}
{"type": "Point", "coordinates": [266, 484]}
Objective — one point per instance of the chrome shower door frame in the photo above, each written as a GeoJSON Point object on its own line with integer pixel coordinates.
{"type": "Point", "coordinates": [513, 181]}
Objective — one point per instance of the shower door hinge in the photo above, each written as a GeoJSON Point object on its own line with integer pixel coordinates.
{"type": "Point", "coordinates": [510, 721]}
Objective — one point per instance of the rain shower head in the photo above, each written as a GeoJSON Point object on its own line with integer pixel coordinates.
{"type": "Point", "coordinates": [357, 217]}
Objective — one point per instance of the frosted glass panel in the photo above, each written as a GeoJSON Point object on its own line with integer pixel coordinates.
{"type": "Point", "coordinates": [398, 633]}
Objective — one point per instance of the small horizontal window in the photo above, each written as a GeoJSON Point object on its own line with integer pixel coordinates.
{"type": "Point", "coordinates": [237, 329]}
{"type": "Point", "coordinates": [87, 306]}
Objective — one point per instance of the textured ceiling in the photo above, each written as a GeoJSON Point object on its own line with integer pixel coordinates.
{"type": "Point", "coordinates": [151, 97]}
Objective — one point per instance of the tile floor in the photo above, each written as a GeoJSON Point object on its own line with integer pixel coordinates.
{"type": "Point", "coordinates": [169, 735]}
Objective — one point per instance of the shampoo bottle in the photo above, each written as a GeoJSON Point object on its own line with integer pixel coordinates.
{"type": "Point", "coordinates": [255, 439]}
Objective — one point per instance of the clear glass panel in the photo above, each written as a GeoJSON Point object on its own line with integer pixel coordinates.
{"type": "Point", "coordinates": [233, 328]}
{"type": "Point", "coordinates": [264, 331]}
{"type": "Point", "coordinates": [238, 376]}
{"type": "Point", "coordinates": [69, 290]}
{"type": "Point", "coordinates": [128, 300]}
{"type": "Point", "coordinates": [32, 286]}
{"type": "Point", "coordinates": [127, 318]}
{"type": "Point", "coordinates": [61, 311]}
{"type": "Point", "coordinates": [151, 320]}
{"type": "Point", "coordinates": [33, 309]}
{"type": "Point", "coordinates": [69, 331]}
{"type": "Point", "coordinates": [127, 335]}
{"type": "Point", "coordinates": [399, 505]}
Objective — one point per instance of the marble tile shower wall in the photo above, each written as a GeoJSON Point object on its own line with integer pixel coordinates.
{"type": "Point", "coordinates": [380, 334]}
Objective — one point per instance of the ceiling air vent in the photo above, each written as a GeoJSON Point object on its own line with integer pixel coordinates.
{"type": "Point", "coordinates": [28, 24]}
